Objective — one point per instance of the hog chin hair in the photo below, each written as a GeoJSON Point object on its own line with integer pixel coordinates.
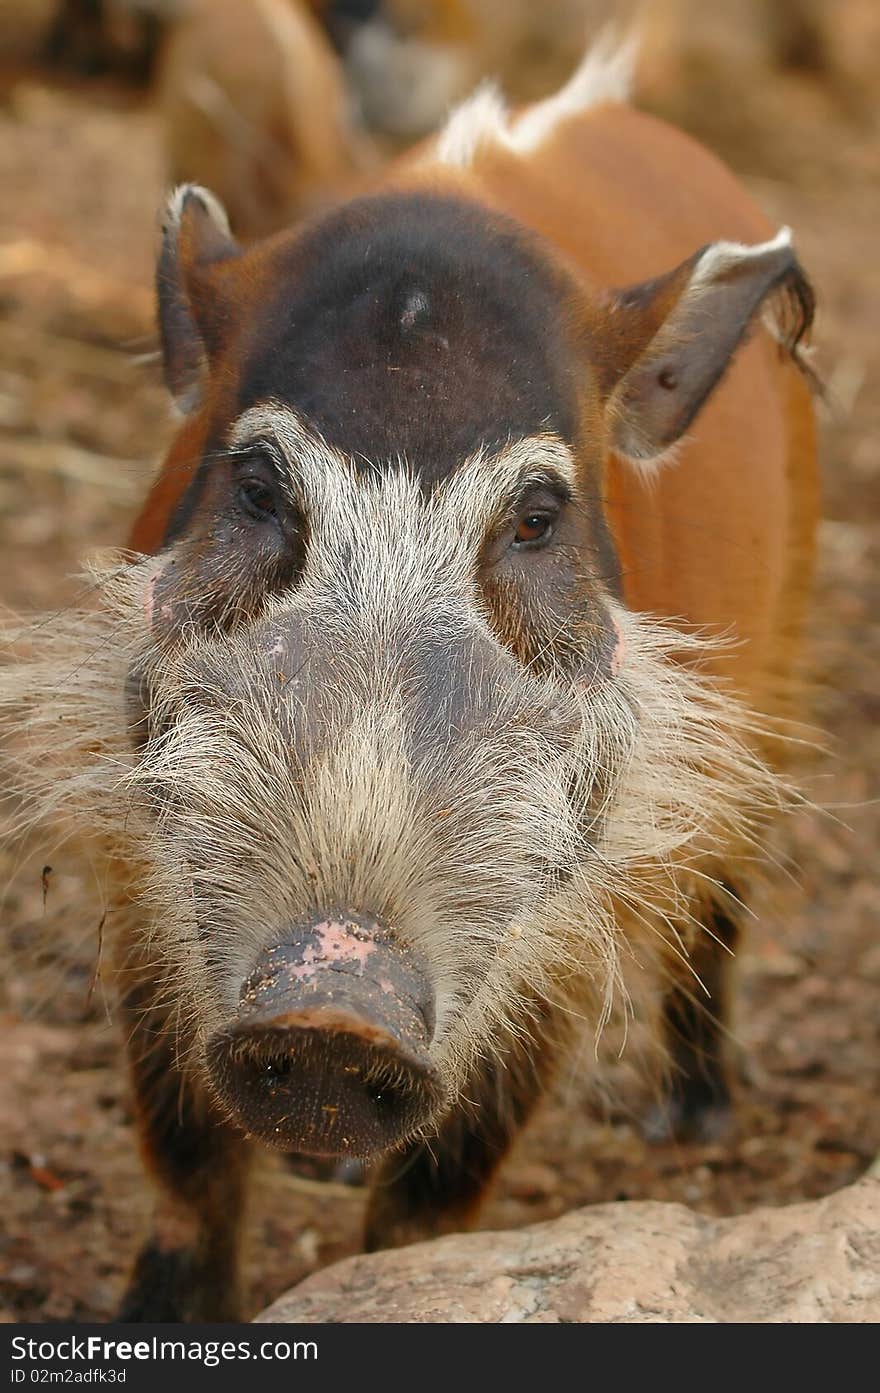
{"type": "Point", "coordinates": [225, 837]}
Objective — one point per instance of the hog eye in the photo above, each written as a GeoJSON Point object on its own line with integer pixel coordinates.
{"type": "Point", "coordinates": [256, 500]}
{"type": "Point", "coordinates": [533, 530]}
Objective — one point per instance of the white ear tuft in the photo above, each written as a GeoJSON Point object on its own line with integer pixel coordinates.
{"type": "Point", "coordinates": [673, 366]}
{"type": "Point", "coordinates": [723, 256]}
{"type": "Point", "coordinates": [195, 231]}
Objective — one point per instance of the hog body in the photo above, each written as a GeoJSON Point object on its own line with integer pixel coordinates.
{"type": "Point", "coordinates": [418, 714]}
{"type": "Point", "coordinates": [254, 102]}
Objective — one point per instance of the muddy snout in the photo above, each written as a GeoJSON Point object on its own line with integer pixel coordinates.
{"type": "Point", "coordinates": [329, 1051]}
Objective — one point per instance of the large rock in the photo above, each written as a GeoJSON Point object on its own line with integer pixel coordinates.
{"type": "Point", "coordinates": [818, 1261]}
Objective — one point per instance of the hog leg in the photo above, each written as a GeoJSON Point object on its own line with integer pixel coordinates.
{"type": "Point", "coordinates": [697, 1103]}
{"type": "Point", "coordinates": [436, 1186]}
{"type": "Point", "coordinates": [188, 1268]}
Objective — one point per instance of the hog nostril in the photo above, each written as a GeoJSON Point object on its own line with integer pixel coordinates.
{"type": "Point", "coordinates": [383, 1095]}
{"type": "Point", "coordinates": [278, 1066]}
{"type": "Point", "coordinates": [323, 1091]}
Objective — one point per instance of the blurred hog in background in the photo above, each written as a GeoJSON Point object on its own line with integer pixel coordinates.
{"type": "Point", "coordinates": [96, 38]}
{"type": "Point", "coordinates": [255, 104]}
{"type": "Point", "coordinates": [278, 105]}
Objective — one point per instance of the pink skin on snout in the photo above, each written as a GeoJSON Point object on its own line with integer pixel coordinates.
{"type": "Point", "coordinates": [336, 943]}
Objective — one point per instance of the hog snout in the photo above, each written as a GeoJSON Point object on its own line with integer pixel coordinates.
{"type": "Point", "coordinates": [329, 1051]}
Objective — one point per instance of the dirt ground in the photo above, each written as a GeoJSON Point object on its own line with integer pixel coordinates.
{"type": "Point", "coordinates": [82, 418]}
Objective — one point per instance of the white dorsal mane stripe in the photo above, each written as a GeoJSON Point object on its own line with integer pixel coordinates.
{"type": "Point", "coordinates": [604, 75]}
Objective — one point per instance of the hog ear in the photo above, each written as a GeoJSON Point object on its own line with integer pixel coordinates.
{"type": "Point", "coordinates": [674, 337]}
{"type": "Point", "coordinates": [195, 237]}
